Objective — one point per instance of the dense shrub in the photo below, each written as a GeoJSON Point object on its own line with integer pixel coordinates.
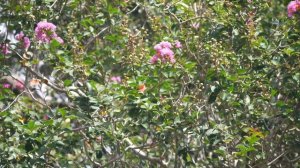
{"type": "Point", "coordinates": [150, 83]}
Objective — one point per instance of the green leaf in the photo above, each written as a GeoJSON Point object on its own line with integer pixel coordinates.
{"type": "Point", "coordinates": [31, 125]}
{"type": "Point", "coordinates": [68, 82]}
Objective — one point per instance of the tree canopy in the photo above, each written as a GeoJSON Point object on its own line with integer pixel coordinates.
{"type": "Point", "coordinates": [151, 83]}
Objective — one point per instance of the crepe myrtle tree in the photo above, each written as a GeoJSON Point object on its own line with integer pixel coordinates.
{"type": "Point", "coordinates": [149, 83]}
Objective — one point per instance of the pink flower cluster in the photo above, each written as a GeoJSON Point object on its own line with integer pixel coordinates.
{"type": "Point", "coordinates": [116, 79]}
{"type": "Point", "coordinates": [293, 7]}
{"type": "Point", "coordinates": [19, 86]}
{"type": "Point", "coordinates": [4, 48]}
{"type": "Point", "coordinates": [6, 85]}
{"type": "Point", "coordinates": [177, 44]}
{"type": "Point", "coordinates": [26, 42]}
{"type": "Point", "coordinates": [45, 32]}
{"type": "Point", "coordinates": [163, 53]}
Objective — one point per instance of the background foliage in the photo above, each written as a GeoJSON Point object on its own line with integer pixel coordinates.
{"type": "Point", "coordinates": [230, 100]}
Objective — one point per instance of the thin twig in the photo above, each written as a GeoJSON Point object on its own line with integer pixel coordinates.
{"type": "Point", "coordinates": [27, 90]}
{"type": "Point", "coordinates": [39, 76]}
{"type": "Point", "coordinates": [53, 3]}
{"type": "Point", "coordinates": [197, 17]}
{"type": "Point", "coordinates": [143, 155]}
{"type": "Point", "coordinates": [292, 160]}
{"type": "Point", "coordinates": [274, 160]}
{"type": "Point", "coordinates": [62, 7]}
{"type": "Point", "coordinates": [36, 100]}
{"type": "Point", "coordinates": [95, 36]}
{"type": "Point", "coordinates": [45, 80]}
{"type": "Point", "coordinates": [128, 13]}
{"type": "Point", "coordinates": [112, 160]}
{"type": "Point", "coordinates": [15, 100]}
{"type": "Point", "coordinates": [86, 152]}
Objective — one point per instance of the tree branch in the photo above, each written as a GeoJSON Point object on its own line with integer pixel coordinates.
{"type": "Point", "coordinates": [45, 80]}
{"type": "Point", "coordinates": [112, 160]}
{"type": "Point", "coordinates": [14, 101]}
{"type": "Point", "coordinates": [274, 160]}
{"type": "Point", "coordinates": [143, 155]}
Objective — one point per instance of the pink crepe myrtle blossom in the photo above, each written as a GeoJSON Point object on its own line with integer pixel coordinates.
{"type": "Point", "coordinates": [45, 32]}
{"type": "Point", "coordinates": [177, 44]}
{"type": "Point", "coordinates": [154, 59]}
{"type": "Point", "coordinates": [25, 40]}
{"type": "Point", "coordinates": [60, 40]}
{"type": "Point", "coordinates": [164, 53]}
{"type": "Point", "coordinates": [172, 59]}
{"type": "Point", "coordinates": [20, 86]}
{"type": "Point", "coordinates": [116, 79]}
{"type": "Point", "coordinates": [20, 36]}
{"type": "Point", "coordinates": [165, 44]}
{"type": "Point", "coordinates": [168, 58]}
{"type": "Point", "coordinates": [26, 43]}
{"type": "Point", "coordinates": [293, 7]}
{"type": "Point", "coordinates": [4, 49]}
{"type": "Point", "coordinates": [157, 47]}
{"type": "Point", "coordinates": [6, 85]}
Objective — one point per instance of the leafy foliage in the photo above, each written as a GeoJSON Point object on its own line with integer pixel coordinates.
{"type": "Point", "coordinates": [231, 99]}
